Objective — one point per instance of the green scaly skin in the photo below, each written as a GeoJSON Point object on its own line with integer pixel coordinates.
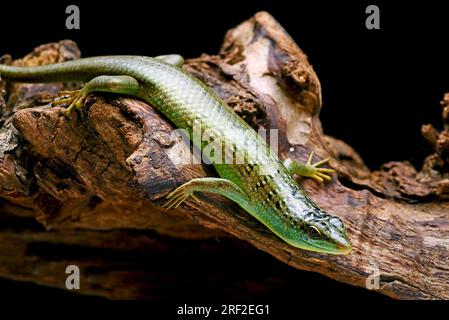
{"type": "Point", "coordinates": [262, 185]}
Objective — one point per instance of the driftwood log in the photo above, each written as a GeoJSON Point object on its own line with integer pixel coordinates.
{"type": "Point", "coordinates": [98, 178]}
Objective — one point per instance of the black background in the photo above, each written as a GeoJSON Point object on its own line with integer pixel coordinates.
{"type": "Point", "coordinates": [379, 86]}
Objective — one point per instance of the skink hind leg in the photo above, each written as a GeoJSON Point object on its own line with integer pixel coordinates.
{"type": "Point", "coordinates": [219, 186]}
{"type": "Point", "coordinates": [113, 84]}
{"type": "Point", "coordinates": [309, 169]}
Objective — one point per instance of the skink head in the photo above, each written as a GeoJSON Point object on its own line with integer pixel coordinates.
{"type": "Point", "coordinates": [311, 228]}
{"type": "Point", "coordinates": [325, 233]}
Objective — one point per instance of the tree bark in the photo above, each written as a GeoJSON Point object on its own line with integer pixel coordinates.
{"type": "Point", "coordinates": [91, 179]}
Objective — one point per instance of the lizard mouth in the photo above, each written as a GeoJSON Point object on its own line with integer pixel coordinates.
{"type": "Point", "coordinates": [343, 247]}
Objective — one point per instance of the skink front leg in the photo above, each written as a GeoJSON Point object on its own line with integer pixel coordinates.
{"type": "Point", "coordinates": [219, 186]}
{"type": "Point", "coordinates": [113, 84]}
{"type": "Point", "coordinates": [309, 169]}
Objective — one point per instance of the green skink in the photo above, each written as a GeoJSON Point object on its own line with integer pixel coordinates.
{"type": "Point", "coordinates": [261, 184]}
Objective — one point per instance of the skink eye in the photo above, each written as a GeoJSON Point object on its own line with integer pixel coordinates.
{"type": "Point", "coordinates": [313, 232]}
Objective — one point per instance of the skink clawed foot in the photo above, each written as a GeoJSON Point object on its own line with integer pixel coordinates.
{"type": "Point", "coordinates": [317, 173]}
{"type": "Point", "coordinates": [174, 200]}
{"type": "Point", "coordinates": [178, 196]}
{"type": "Point", "coordinates": [74, 99]}
{"type": "Point", "coordinates": [309, 169]}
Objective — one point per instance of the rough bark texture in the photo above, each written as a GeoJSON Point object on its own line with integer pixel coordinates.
{"type": "Point", "coordinates": [92, 179]}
